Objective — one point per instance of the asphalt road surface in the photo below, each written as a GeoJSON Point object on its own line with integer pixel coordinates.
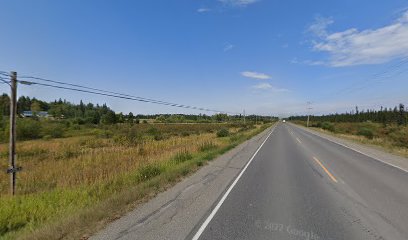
{"type": "Point", "coordinates": [302, 186]}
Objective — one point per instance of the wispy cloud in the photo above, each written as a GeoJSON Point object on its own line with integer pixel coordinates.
{"type": "Point", "coordinates": [203, 10]}
{"type": "Point", "coordinates": [319, 27]}
{"type": "Point", "coordinates": [262, 86]}
{"type": "Point", "coordinates": [268, 86]}
{"type": "Point", "coordinates": [255, 75]}
{"type": "Point", "coordinates": [355, 47]}
{"type": "Point", "coordinates": [238, 3]}
{"type": "Point", "coordinates": [228, 47]}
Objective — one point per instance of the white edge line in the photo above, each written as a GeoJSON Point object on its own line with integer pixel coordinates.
{"type": "Point", "coordinates": [214, 211]}
{"type": "Point", "coordinates": [365, 154]}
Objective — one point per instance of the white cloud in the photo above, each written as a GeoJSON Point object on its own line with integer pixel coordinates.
{"type": "Point", "coordinates": [255, 75]}
{"type": "Point", "coordinates": [203, 10]}
{"type": "Point", "coordinates": [263, 86]}
{"type": "Point", "coordinates": [228, 47]}
{"type": "Point", "coordinates": [319, 26]}
{"type": "Point", "coordinates": [307, 62]}
{"type": "Point", "coordinates": [370, 46]}
{"type": "Point", "coordinates": [238, 3]}
{"type": "Point", "coordinates": [268, 86]}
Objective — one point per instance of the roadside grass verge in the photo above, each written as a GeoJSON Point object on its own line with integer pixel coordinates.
{"type": "Point", "coordinates": [391, 138]}
{"type": "Point", "coordinates": [74, 209]}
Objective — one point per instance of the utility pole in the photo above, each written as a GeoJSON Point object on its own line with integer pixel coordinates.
{"type": "Point", "coordinates": [12, 170]}
{"type": "Point", "coordinates": [308, 113]}
{"type": "Point", "coordinates": [244, 116]}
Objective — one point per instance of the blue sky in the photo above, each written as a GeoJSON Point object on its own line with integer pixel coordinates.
{"type": "Point", "coordinates": [267, 57]}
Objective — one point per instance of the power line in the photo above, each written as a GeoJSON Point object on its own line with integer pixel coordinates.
{"type": "Point", "coordinates": [99, 93]}
{"type": "Point", "coordinates": [111, 94]}
{"type": "Point", "coordinates": [4, 80]}
{"type": "Point", "coordinates": [99, 90]}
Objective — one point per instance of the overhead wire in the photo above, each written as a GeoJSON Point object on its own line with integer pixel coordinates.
{"type": "Point", "coordinates": [96, 91]}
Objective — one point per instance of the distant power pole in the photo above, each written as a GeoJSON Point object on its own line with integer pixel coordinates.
{"type": "Point", "coordinates": [308, 113]}
{"type": "Point", "coordinates": [12, 170]}
{"type": "Point", "coordinates": [244, 116]}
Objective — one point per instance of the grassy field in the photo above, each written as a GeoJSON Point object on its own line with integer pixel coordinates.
{"type": "Point", "coordinates": [391, 138]}
{"type": "Point", "coordinates": [71, 186]}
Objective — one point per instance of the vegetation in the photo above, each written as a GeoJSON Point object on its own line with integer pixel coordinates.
{"type": "Point", "coordinates": [397, 115]}
{"type": "Point", "coordinates": [386, 128]}
{"type": "Point", "coordinates": [223, 132]}
{"type": "Point", "coordinates": [77, 174]}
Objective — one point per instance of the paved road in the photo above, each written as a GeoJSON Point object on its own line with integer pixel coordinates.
{"type": "Point", "coordinates": [301, 186]}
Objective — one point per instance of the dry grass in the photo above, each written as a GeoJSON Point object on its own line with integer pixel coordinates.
{"type": "Point", "coordinates": [62, 163]}
{"type": "Point", "coordinates": [63, 177]}
{"type": "Point", "coordinates": [390, 138]}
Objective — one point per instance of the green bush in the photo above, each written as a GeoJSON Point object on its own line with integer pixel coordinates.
{"type": "Point", "coordinates": [223, 133]}
{"type": "Point", "coordinates": [28, 129]}
{"type": "Point", "coordinates": [53, 130]}
{"type": "Point", "coordinates": [328, 126]}
{"type": "Point", "coordinates": [366, 132]}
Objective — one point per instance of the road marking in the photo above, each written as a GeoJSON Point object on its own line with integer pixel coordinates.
{"type": "Point", "coordinates": [325, 169]}
{"type": "Point", "coordinates": [355, 150]}
{"type": "Point", "coordinates": [217, 207]}
{"type": "Point", "coordinates": [298, 140]}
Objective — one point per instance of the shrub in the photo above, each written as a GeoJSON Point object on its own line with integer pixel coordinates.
{"type": "Point", "coordinates": [366, 132]}
{"type": "Point", "coordinates": [328, 126]}
{"type": "Point", "coordinates": [223, 133]}
{"type": "Point", "coordinates": [28, 129]}
{"type": "Point", "coordinates": [78, 121]}
{"type": "Point", "coordinates": [157, 135]}
{"type": "Point", "coordinates": [53, 130]}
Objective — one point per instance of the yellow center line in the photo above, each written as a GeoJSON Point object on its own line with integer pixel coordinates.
{"type": "Point", "coordinates": [325, 169]}
{"type": "Point", "coordinates": [298, 140]}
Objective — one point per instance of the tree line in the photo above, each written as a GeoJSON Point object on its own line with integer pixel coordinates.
{"type": "Point", "coordinates": [94, 114]}
{"type": "Point", "coordinates": [61, 109]}
{"type": "Point", "coordinates": [397, 115]}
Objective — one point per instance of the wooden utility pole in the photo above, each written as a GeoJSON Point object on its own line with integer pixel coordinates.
{"type": "Point", "coordinates": [244, 116]}
{"type": "Point", "coordinates": [308, 113]}
{"type": "Point", "coordinates": [12, 170]}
